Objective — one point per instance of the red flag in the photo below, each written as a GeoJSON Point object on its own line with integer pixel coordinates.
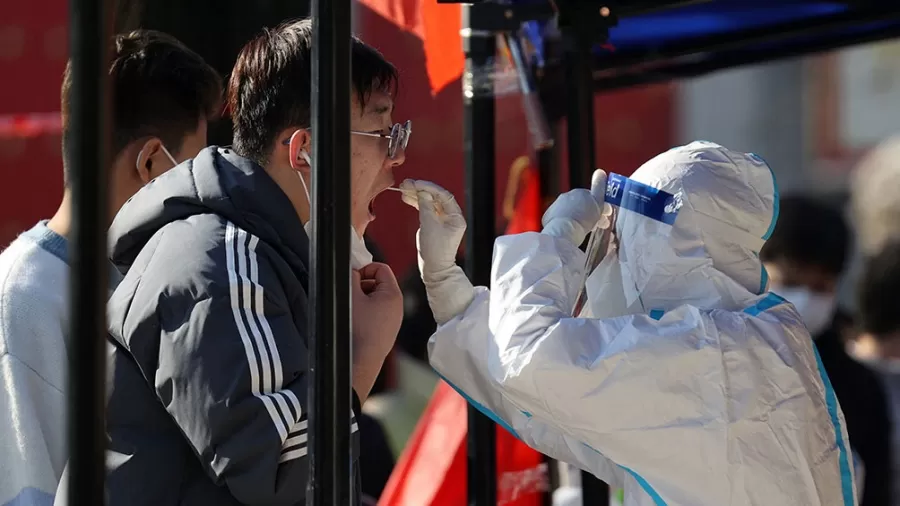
{"type": "Point", "coordinates": [431, 471]}
{"type": "Point", "coordinates": [438, 26]}
{"type": "Point", "coordinates": [522, 205]}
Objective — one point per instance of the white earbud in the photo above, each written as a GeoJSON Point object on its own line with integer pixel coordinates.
{"type": "Point", "coordinates": [305, 156]}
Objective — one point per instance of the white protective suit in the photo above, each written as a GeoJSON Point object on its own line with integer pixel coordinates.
{"type": "Point", "coordinates": [691, 385]}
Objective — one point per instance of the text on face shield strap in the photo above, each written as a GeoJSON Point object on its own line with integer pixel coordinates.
{"type": "Point", "coordinates": [645, 200]}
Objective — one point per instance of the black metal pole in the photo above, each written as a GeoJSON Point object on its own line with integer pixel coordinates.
{"type": "Point", "coordinates": [580, 109]}
{"type": "Point", "coordinates": [330, 469]}
{"type": "Point", "coordinates": [580, 130]}
{"type": "Point", "coordinates": [548, 187]}
{"type": "Point", "coordinates": [89, 143]}
{"type": "Point", "coordinates": [478, 105]}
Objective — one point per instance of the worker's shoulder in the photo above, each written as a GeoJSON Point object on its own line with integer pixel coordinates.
{"type": "Point", "coordinates": [770, 310]}
{"type": "Point", "coordinates": [764, 313]}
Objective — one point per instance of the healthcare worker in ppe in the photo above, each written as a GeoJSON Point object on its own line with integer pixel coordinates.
{"type": "Point", "coordinates": [688, 384]}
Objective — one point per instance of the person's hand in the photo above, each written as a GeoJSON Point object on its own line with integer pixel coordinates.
{"type": "Point", "coordinates": [441, 225]}
{"type": "Point", "coordinates": [575, 213]}
{"type": "Point", "coordinates": [441, 229]}
{"type": "Point", "coordinates": [377, 308]}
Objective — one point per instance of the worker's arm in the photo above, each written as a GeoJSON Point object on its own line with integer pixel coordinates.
{"type": "Point", "coordinates": [580, 390]}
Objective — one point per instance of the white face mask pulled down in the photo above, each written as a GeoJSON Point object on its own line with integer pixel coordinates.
{"type": "Point", "coordinates": [816, 309]}
{"type": "Point", "coordinates": [359, 254]}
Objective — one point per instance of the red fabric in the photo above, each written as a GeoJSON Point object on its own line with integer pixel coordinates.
{"type": "Point", "coordinates": [432, 469]}
{"type": "Point", "coordinates": [444, 58]}
{"type": "Point", "coordinates": [526, 216]}
{"type": "Point", "coordinates": [438, 26]}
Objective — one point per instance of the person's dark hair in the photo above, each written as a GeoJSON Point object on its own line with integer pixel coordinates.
{"type": "Point", "coordinates": [271, 84]}
{"type": "Point", "coordinates": [810, 233]}
{"type": "Point", "coordinates": [879, 286]}
{"type": "Point", "coordinates": [159, 87]}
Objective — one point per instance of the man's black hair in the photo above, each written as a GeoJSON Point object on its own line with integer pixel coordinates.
{"type": "Point", "coordinates": [271, 84]}
{"type": "Point", "coordinates": [809, 233]}
{"type": "Point", "coordinates": [879, 286]}
{"type": "Point", "coordinates": [160, 88]}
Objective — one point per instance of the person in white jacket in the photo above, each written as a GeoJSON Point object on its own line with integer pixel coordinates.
{"type": "Point", "coordinates": [688, 384]}
{"type": "Point", "coordinates": [164, 97]}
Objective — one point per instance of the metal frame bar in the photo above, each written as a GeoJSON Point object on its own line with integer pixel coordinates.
{"type": "Point", "coordinates": [330, 462]}
{"type": "Point", "coordinates": [745, 38]}
{"type": "Point", "coordinates": [579, 110]}
{"type": "Point", "coordinates": [547, 169]}
{"type": "Point", "coordinates": [580, 133]}
{"type": "Point", "coordinates": [578, 63]}
{"type": "Point", "coordinates": [90, 28]}
{"type": "Point", "coordinates": [480, 49]}
{"type": "Point", "coordinates": [731, 59]}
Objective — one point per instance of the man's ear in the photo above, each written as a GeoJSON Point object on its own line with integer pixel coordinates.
{"type": "Point", "coordinates": [299, 143]}
{"type": "Point", "coordinates": [144, 162]}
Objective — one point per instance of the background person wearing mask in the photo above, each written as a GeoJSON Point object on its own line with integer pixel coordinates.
{"type": "Point", "coordinates": [688, 383]}
{"type": "Point", "coordinates": [804, 259]}
{"type": "Point", "coordinates": [878, 345]}
{"type": "Point", "coordinates": [209, 382]}
{"type": "Point", "coordinates": [163, 96]}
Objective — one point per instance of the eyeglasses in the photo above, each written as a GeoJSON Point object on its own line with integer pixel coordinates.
{"type": "Point", "coordinates": [397, 139]}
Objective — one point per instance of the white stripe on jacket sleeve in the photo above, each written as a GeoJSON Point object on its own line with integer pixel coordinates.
{"type": "Point", "coordinates": [247, 300]}
{"type": "Point", "coordinates": [295, 446]}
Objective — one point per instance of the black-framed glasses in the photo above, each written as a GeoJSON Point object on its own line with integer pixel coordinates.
{"type": "Point", "coordinates": [397, 139]}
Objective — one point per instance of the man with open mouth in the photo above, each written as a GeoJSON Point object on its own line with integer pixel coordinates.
{"type": "Point", "coordinates": [208, 380]}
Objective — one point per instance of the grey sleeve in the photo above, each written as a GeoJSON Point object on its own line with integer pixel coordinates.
{"type": "Point", "coordinates": [232, 373]}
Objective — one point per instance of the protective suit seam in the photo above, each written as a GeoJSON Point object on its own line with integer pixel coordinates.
{"type": "Point", "coordinates": [726, 381]}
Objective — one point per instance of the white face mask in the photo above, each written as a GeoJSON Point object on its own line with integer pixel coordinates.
{"type": "Point", "coordinates": [359, 254]}
{"type": "Point", "coordinates": [816, 309]}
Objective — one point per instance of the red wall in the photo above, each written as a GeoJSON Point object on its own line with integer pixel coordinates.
{"type": "Point", "coordinates": [632, 125]}
{"type": "Point", "coordinates": [33, 52]}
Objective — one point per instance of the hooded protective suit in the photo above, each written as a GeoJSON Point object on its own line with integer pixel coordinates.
{"type": "Point", "coordinates": [689, 385]}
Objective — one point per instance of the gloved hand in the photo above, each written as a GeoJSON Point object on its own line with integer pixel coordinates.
{"type": "Point", "coordinates": [575, 213]}
{"type": "Point", "coordinates": [441, 230]}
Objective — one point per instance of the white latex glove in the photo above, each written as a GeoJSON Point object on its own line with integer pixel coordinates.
{"type": "Point", "coordinates": [441, 230]}
{"type": "Point", "coordinates": [575, 213]}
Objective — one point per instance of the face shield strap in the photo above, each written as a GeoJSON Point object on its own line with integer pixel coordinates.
{"type": "Point", "coordinates": [650, 202]}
